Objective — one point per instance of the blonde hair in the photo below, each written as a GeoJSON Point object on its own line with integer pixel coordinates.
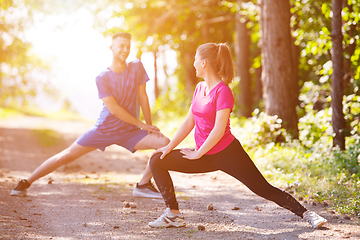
{"type": "Point", "coordinates": [219, 58]}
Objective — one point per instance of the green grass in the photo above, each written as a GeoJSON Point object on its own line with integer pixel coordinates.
{"type": "Point", "coordinates": [9, 113]}
{"type": "Point", "coordinates": [61, 114]}
{"type": "Point", "coordinates": [47, 137]}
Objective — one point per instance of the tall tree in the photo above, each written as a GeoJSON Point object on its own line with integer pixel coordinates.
{"type": "Point", "coordinates": [351, 27]}
{"type": "Point", "coordinates": [242, 61]}
{"type": "Point", "coordinates": [337, 85]}
{"type": "Point", "coordinates": [277, 75]}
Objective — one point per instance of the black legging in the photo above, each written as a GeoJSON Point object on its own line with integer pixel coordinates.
{"type": "Point", "coordinates": [233, 160]}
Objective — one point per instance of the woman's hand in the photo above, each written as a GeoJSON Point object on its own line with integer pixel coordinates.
{"type": "Point", "coordinates": [190, 153]}
{"type": "Point", "coordinates": [164, 150]}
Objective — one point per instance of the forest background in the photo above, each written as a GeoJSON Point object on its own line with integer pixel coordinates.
{"type": "Point", "coordinates": [297, 107]}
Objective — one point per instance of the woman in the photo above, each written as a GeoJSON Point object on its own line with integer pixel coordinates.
{"type": "Point", "coordinates": [216, 148]}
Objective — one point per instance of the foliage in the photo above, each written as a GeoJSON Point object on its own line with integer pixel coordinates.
{"type": "Point", "coordinates": [308, 165]}
{"type": "Point", "coordinates": [311, 22]}
{"type": "Point", "coordinates": [349, 160]}
{"type": "Point", "coordinates": [172, 104]}
{"type": "Point", "coordinates": [47, 137]}
{"type": "Point", "coordinates": [351, 105]}
{"type": "Point", "coordinates": [18, 66]}
{"type": "Point", "coordinates": [263, 128]}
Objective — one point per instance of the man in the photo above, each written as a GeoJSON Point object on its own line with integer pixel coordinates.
{"type": "Point", "coordinates": [121, 87]}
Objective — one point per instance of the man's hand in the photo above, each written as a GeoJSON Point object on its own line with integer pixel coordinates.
{"type": "Point", "coordinates": [152, 129]}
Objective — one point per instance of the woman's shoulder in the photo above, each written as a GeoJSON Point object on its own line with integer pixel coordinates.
{"type": "Point", "coordinates": [222, 87]}
{"type": "Point", "coordinates": [200, 85]}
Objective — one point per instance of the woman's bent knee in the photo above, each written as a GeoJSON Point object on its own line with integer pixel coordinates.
{"type": "Point", "coordinates": [155, 160]}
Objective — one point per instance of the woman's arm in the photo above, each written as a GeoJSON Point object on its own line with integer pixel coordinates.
{"type": "Point", "coordinates": [222, 117]}
{"type": "Point", "coordinates": [180, 135]}
{"type": "Point", "coordinates": [183, 130]}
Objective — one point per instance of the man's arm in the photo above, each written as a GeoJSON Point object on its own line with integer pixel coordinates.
{"type": "Point", "coordinates": [144, 103]}
{"type": "Point", "coordinates": [145, 106]}
{"type": "Point", "coordinates": [123, 115]}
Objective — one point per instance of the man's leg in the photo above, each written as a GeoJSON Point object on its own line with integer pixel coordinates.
{"type": "Point", "coordinates": [151, 141]}
{"type": "Point", "coordinates": [145, 188]}
{"type": "Point", "coordinates": [66, 156]}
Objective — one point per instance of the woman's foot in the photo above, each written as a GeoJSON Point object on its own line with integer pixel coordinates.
{"type": "Point", "coordinates": [168, 219]}
{"type": "Point", "coordinates": [315, 220]}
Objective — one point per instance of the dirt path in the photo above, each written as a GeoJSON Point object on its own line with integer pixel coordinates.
{"type": "Point", "coordinates": [92, 197]}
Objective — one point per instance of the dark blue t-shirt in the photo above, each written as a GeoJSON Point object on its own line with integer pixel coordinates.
{"type": "Point", "coordinates": [124, 88]}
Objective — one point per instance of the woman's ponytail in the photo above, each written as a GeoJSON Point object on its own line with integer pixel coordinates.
{"type": "Point", "coordinates": [225, 63]}
{"type": "Point", "coordinates": [220, 60]}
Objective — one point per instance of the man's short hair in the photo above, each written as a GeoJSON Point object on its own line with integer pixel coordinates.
{"type": "Point", "coordinates": [122, 34]}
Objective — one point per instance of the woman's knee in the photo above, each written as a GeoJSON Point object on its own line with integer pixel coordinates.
{"type": "Point", "coordinates": [155, 160]}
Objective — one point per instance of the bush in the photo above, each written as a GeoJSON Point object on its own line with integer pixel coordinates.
{"type": "Point", "coordinates": [308, 167]}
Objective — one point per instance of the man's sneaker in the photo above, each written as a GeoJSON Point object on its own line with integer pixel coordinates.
{"type": "Point", "coordinates": [168, 219]}
{"type": "Point", "coordinates": [20, 189]}
{"type": "Point", "coordinates": [315, 220]}
{"type": "Point", "coordinates": [146, 190]}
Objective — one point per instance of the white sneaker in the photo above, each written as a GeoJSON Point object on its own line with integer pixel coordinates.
{"type": "Point", "coordinates": [315, 220]}
{"type": "Point", "coordinates": [168, 219]}
{"type": "Point", "coordinates": [147, 190]}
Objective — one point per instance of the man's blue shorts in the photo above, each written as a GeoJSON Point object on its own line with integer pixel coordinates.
{"type": "Point", "coordinates": [128, 140]}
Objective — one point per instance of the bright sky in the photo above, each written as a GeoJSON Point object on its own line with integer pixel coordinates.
{"type": "Point", "coordinates": [78, 53]}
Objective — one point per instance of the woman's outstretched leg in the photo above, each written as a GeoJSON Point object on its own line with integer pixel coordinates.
{"type": "Point", "coordinates": [236, 162]}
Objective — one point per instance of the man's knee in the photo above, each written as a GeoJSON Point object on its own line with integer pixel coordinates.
{"type": "Point", "coordinates": [161, 142]}
{"type": "Point", "coordinates": [164, 141]}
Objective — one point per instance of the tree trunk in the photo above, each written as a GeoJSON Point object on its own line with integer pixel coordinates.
{"type": "Point", "coordinates": [190, 73]}
{"type": "Point", "coordinates": [349, 50]}
{"type": "Point", "coordinates": [337, 89]}
{"type": "Point", "coordinates": [295, 65]}
{"type": "Point", "coordinates": [277, 75]}
{"type": "Point", "coordinates": [156, 85]}
{"type": "Point", "coordinates": [242, 56]}
{"type": "Point", "coordinates": [258, 92]}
